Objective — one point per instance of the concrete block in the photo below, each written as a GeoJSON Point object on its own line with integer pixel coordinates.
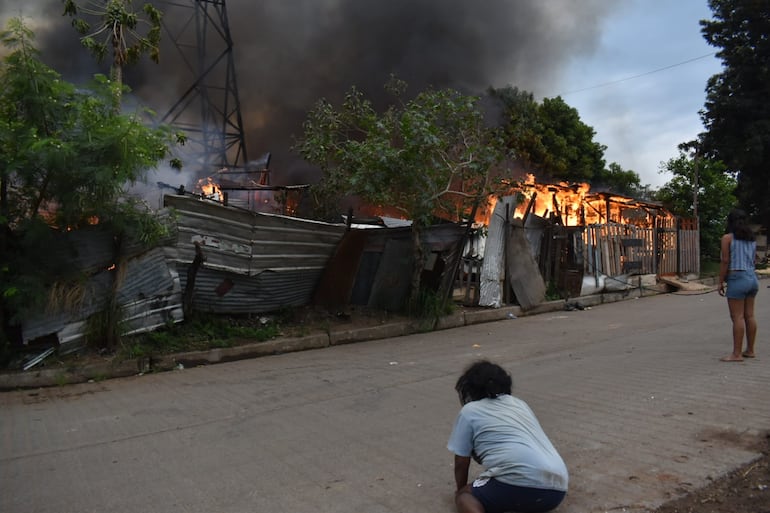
{"type": "Point", "coordinates": [226, 354]}
{"type": "Point", "coordinates": [454, 320]}
{"type": "Point", "coordinates": [592, 300]}
{"type": "Point", "coordinates": [491, 314]}
{"type": "Point", "coordinates": [347, 336]}
{"type": "Point", "coordinates": [614, 297]}
{"type": "Point", "coordinates": [648, 280]}
{"type": "Point", "coordinates": [548, 306]}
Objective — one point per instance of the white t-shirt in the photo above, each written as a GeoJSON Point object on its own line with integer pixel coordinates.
{"type": "Point", "coordinates": [509, 442]}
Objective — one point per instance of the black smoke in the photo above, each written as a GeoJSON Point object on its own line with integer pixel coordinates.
{"type": "Point", "coordinates": [290, 53]}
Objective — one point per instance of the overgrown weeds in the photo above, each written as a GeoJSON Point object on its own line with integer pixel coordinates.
{"type": "Point", "coordinates": [199, 333]}
{"type": "Point", "coordinates": [709, 267]}
{"type": "Point", "coordinates": [428, 308]}
{"type": "Point", "coordinates": [552, 292]}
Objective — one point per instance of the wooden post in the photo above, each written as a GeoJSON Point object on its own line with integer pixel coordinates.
{"type": "Point", "coordinates": [556, 208]}
{"type": "Point", "coordinates": [456, 265]}
{"type": "Point", "coordinates": [530, 205]}
{"type": "Point", "coordinates": [655, 245]}
{"type": "Point", "coordinates": [192, 273]}
{"type": "Point", "coordinates": [506, 234]}
{"type": "Point", "coordinates": [678, 226]}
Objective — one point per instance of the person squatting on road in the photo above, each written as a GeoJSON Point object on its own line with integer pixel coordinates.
{"type": "Point", "coordinates": [736, 269]}
{"type": "Point", "coordinates": [523, 472]}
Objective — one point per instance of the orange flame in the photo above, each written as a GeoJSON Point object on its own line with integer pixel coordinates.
{"type": "Point", "coordinates": [209, 189]}
{"type": "Point", "coordinates": [572, 204]}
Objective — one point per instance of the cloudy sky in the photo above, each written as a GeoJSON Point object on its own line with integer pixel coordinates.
{"type": "Point", "coordinates": [643, 86]}
{"type": "Point", "coordinates": [634, 69]}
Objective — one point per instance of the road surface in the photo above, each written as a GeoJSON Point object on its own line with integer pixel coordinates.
{"type": "Point", "coordinates": [632, 394]}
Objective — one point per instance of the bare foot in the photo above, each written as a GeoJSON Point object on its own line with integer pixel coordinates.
{"type": "Point", "coordinates": [746, 354]}
{"type": "Point", "coordinates": [731, 358]}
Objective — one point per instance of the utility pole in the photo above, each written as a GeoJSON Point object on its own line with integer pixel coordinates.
{"type": "Point", "coordinates": [696, 172]}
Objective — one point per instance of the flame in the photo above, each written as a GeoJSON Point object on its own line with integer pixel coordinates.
{"type": "Point", "coordinates": [209, 189]}
{"type": "Point", "coordinates": [572, 205]}
{"type": "Point", "coordinates": [563, 201]}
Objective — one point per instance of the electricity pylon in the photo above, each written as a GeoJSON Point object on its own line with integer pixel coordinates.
{"type": "Point", "coordinates": [209, 109]}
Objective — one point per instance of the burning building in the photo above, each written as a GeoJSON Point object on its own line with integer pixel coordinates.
{"type": "Point", "coordinates": [579, 241]}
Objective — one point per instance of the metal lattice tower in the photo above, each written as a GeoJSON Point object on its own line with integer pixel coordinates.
{"type": "Point", "coordinates": [209, 110]}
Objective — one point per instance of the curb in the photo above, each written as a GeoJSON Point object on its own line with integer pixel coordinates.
{"type": "Point", "coordinates": [99, 372]}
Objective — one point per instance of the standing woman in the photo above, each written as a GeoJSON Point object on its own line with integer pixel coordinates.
{"type": "Point", "coordinates": [736, 271]}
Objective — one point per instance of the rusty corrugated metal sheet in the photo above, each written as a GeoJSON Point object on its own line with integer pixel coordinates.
{"type": "Point", "coordinates": [150, 296]}
{"type": "Point", "coordinates": [380, 260]}
{"type": "Point", "coordinates": [227, 293]}
{"type": "Point", "coordinates": [338, 278]}
{"type": "Point", "coordinates": [255, 262]}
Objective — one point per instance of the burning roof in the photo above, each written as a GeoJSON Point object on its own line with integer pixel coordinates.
{"type": "Point", "coordinates": [575, 205]}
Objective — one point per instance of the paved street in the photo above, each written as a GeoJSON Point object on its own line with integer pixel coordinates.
{"type": "Point", "coordinates": [631, 393]}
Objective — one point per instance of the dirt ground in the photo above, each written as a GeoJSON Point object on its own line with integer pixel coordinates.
{"type": "Point", "coordinates": [745, 490]}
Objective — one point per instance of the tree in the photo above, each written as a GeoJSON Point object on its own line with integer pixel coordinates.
{"type": "Point", "coordinates": [714, 194]}
{"type": "Point", "coordinates": [119, 30]}
{"type": "Point", "coordinates": [429, 156]}
{"type": "Point", "coordinates": [65, 156]}
{"type": "Point", "coordinates": [618, 180]}
{"type": "Point", "coordinates": [549, 138]}
{"type": "Point", "coordinates": [736, 114]}
{"type": "Point", "coordinates": [520, 122]}
{"type": "Point", "coordinates": [571, 153]}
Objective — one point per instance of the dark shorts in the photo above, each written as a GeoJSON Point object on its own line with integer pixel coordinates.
{"type": "Point", "coordinates": [741, 284]}
{"type": "Point", "coordinates": [499, 497]}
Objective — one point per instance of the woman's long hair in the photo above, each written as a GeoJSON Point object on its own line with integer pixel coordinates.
{"type": "Point", "coordinates": [481, 380]}
{"type": "Point", "coordinates": [738, 225]}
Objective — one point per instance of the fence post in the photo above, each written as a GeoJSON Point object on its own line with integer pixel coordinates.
{"type": "Point", "coordinates": [678, 246]}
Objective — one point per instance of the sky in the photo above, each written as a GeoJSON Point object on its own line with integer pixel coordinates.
{"type": "Point", "coordinates": [642, 120]}
{"type": "Point", "coordinates": [635, 70]}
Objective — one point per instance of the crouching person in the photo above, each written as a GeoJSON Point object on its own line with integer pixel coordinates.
{"type": "Point", "coordinates": [523, 472]}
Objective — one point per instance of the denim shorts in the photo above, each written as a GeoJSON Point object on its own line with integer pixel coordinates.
{"type": "Point", "coordinates": [500, 497]}
{"type": "Point", "coordinates": [741, 284]}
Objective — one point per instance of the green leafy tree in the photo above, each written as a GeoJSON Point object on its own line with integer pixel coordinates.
{"type": "Point", "coordinates": [736, 114]}
{"type": "Point", "coordinates": [549, 138]}
{"type": "Point", "coordinates": [429, 156]}
{"type": "Point", "coordinates": [704, 184]}
{"type": "Point", "coordinates": [521, 127]}
{"type": "Point", "coordinates": [116, 28]}
{"type": "Point", "coordinates": [619, 180]}
{"type": "Point", "coordinates": [65, 157]}
{"type": "Point", "coordinates": [571, 153]}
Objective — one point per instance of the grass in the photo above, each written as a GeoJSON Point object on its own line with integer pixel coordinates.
{"type": "Point", "coordinates": [552, 292]}
{"type": "Point", "coordinates": [430, 305]}
{"type": "Point", "coordinates": [199, 333]}
{"type": "Point", "coordinates": [709, 268]}
{"type": "Point", "coordinates": [427, 308]}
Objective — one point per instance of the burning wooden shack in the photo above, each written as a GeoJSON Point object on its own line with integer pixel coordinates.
{"type": "Point", "coordinates": [581, 242]}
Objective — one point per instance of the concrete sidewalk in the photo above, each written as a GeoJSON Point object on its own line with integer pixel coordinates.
{"type": "Point", "coordinates": [632, 394]}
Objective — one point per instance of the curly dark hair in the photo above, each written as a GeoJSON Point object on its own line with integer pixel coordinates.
{"type": "Point", "coordinates": [481, 380]}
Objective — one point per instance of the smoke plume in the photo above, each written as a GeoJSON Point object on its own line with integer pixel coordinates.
{"type": "Point", "coordinates": [290, 53]}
